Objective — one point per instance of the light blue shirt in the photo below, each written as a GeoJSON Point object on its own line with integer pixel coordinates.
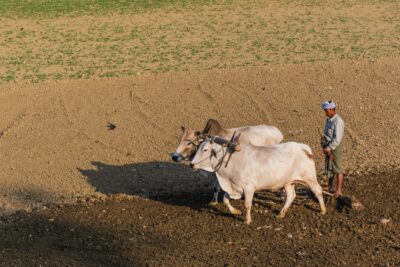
{"type": "Point", "coordinates": [334, 131]}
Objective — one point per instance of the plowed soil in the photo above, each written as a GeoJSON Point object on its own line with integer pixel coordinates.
{"type": "Point", "coordinates": [89, 196]}
{"type": "Point", "coordinates": [181, 230]}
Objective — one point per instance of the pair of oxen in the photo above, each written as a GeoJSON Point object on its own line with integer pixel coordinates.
{"type": "Point", "coordinates": [248, 159]}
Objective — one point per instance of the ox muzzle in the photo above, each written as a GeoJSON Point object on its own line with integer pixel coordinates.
{"type": "Point", "coordinates": [177, 157]}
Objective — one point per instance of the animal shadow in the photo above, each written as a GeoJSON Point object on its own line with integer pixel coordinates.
{"type": "Point", "coordinates": [167, 182]}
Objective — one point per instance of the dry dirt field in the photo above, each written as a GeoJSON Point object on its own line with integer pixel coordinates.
{"type": "Point", "coordinates": [74, 193]}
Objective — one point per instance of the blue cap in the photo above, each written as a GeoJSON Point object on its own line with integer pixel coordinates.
{"type": "Point", "coordinates": [328, 105]}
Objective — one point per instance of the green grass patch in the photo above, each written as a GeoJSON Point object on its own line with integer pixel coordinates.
{"type": "Point", "coordinates": [245, 33]}
{"type": "Point", "coordinates": [56, 8]}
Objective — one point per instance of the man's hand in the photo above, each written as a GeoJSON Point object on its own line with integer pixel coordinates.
{"type": "Point", "coordinates": [328, 151]}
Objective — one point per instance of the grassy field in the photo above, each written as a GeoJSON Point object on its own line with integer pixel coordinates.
{"type": "Point", "coordinates": [56, 8]}
{"type": "Point", "coordinates": [51, 40]}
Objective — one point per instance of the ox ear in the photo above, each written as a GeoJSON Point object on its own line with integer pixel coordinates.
{"type": "Point", "coordinates": [201, 136]}
{"type": "Point", "coordinates": [212, 139]}
{"type": "Point", "coordinates": [183, 128]}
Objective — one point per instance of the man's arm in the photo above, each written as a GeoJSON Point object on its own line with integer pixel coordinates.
{"type": "Point", "coordinates": [339, 135]}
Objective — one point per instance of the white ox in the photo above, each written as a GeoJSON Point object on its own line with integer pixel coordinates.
{"type": "Point", "coordinates": [190, 140]}
{"type": "Point", "coordinates": [258, 167]}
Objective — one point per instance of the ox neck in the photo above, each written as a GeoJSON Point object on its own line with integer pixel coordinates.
{"type": "Point", "coordinates": [220, 162]}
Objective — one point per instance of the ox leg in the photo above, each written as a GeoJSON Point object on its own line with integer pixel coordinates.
{"type": "Point", "coordinates": [217, 189]}
{"type": "Point", "coordinates": [232, 210]}
{"type": "Point", "coordinates": [248, 201]}
{"type": "Point", "coordinates": [290, 195]}
{"type": "Point", "coordinates": [317, 190]}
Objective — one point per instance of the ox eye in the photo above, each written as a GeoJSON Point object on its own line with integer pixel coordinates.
{"type": "Point", "coordinates": [205, 150]}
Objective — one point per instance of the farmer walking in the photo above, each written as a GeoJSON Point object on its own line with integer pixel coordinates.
{"type": "Point", "coordinates": [332, 147]}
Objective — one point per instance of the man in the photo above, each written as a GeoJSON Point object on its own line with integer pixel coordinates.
{"type": "Point", "coordinates": [332, 146]}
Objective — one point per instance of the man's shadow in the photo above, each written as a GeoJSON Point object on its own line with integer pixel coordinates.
{"type": "Point", "coordinates": [167, 182]}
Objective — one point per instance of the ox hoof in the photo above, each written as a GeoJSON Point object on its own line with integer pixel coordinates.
{"type": "Point", "coordinates": [236, 212]}
{"type": "Point", "coordinates": [322, 212]}
{"type": "Point", "coordinates": [280, 216]}
{"type": "Point", "coordinates": [247, 222]}
{"type": "Point", "coordinates": [213, 203]}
